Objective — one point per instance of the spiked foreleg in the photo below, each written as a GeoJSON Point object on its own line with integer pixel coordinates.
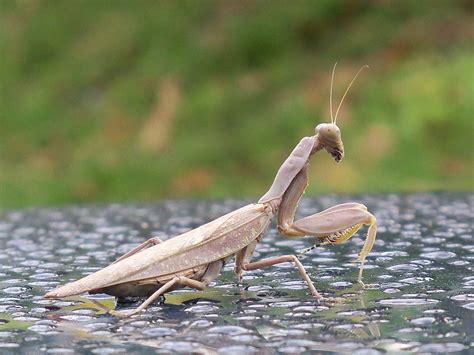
{"type": "Point", "coordinates": [338, 224]}
{"type": "Point", "coordinates": [369, 243]}
{"type": "Point", "coordinates": [289, 204]}
{"type": "Point", "coordinates": [332, 226]}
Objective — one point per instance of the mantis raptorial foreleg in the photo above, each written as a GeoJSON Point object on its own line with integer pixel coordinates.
{"type": "Point", "coordinates": [332, 226]}
{"type": "Point", "coordinates": [339, 224]}
{"type": "Point", "coordinates": [148, 243]}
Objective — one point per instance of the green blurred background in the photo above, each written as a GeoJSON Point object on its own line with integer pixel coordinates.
{"type": "Point", "coordinates": [144, 100]}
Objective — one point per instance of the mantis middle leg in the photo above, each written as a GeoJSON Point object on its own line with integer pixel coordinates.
{"type": "Point", "coordinates": [243, 263]}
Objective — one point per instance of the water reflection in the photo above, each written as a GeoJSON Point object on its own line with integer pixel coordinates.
{"type": "Point", "coordinates": [422, 263]}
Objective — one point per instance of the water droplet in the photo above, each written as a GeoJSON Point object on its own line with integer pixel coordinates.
{"type": "Point", "coordinates": [409, 330]}
{"type": "Point", "coordinates": [366, 352]}
{"type": "Point", "coordinates": [341, 284]}
{"type": "Point", "coordinates": [159, 332]}
{"type": "Point", "coordinates": [107, 350]}
{"type": "Point", "coordinates": [181, 346]}
{"type": "Point", "coordinates": [229, 329]}
{"type": "Point", "coordinates": [468, 284]}
{"type": "Point", "coordinates": [441, 348]}
{"type": "Point", "coordinates": [434, 311]}
{"type": "Point", "coordinates": [204, 308]}
{"type": "Point", "coordinates": [464, 297]}
{"type": "Point", "coordinates": [8, 345]}
{"type": "Point", "coordinates": [238, 349]}
{"type": "Point", "coordinates": [416, 280]}
{"type": "Point", "coordinates": [352, 313]}
{"type": "Point", "coordinates": [77, 318]}
{"type": "Point", "coordinates": [44, 276]}
{"type": "Point", "coordinates": [408, 302]}
{"type": "Point", "coordinates": [285, 304]}
{"type": "Point", "coordinates": [423, 321]}
{"type": "Point", "coordinates": [392, 285]}
{"type": "Point", "coordinates": [403, 268]}
{"type": "Point", "coordinates": [201, 323]}
{"type": "Point", "coordinates": [469, 306]}
{"type": "Point", "coordinates": [15, 290]}
{"type": "Point", "coordinates": [395, 253]}
{"type": "Point", "coordinates": [40, 328]}
{"type": "Point", "coordinates": [460, 263]}
{"type": "Point", "coordinates": [438, 255]}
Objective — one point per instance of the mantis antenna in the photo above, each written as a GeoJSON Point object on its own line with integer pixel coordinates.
{"type": "Point", "coordinates": [330, 93]}
{"type": "Point", "coordinates": [347, 90]}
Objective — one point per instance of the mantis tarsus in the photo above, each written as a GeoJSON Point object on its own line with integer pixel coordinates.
{"type": "Point", "coordinates": [195, 258]}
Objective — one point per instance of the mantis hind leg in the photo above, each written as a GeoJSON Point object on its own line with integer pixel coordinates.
{"type": "Point", "coordinates": [167, 286]}
{"type": "Point", "coordinates": [146, 244]}
{"type": "Point", "coordinates": [211, 273]}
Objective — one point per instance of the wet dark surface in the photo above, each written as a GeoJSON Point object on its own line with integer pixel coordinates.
{"type": "Point", "coordinates": [422, 262]}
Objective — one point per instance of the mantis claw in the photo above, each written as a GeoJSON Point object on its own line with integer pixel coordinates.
{"type": "Point", "coordinates": [121, 314]}
{"type": "Point", "coordinates": [317, 296]}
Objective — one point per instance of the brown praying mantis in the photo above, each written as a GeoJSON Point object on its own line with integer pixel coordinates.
{"type": "Point", "coordinates": [195, 258]}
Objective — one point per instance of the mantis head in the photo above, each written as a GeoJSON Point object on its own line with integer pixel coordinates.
{"type": "Point", "coordinates": [329, 138]}
{"type": "Point", "coordinates": [329, 134]}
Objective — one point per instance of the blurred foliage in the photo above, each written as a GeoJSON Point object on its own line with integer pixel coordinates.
{"type": "Point", "coordinates": [141, 100]}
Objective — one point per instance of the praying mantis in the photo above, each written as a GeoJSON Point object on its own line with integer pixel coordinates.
{"type": "Point", "coordinates": [195, 258]}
